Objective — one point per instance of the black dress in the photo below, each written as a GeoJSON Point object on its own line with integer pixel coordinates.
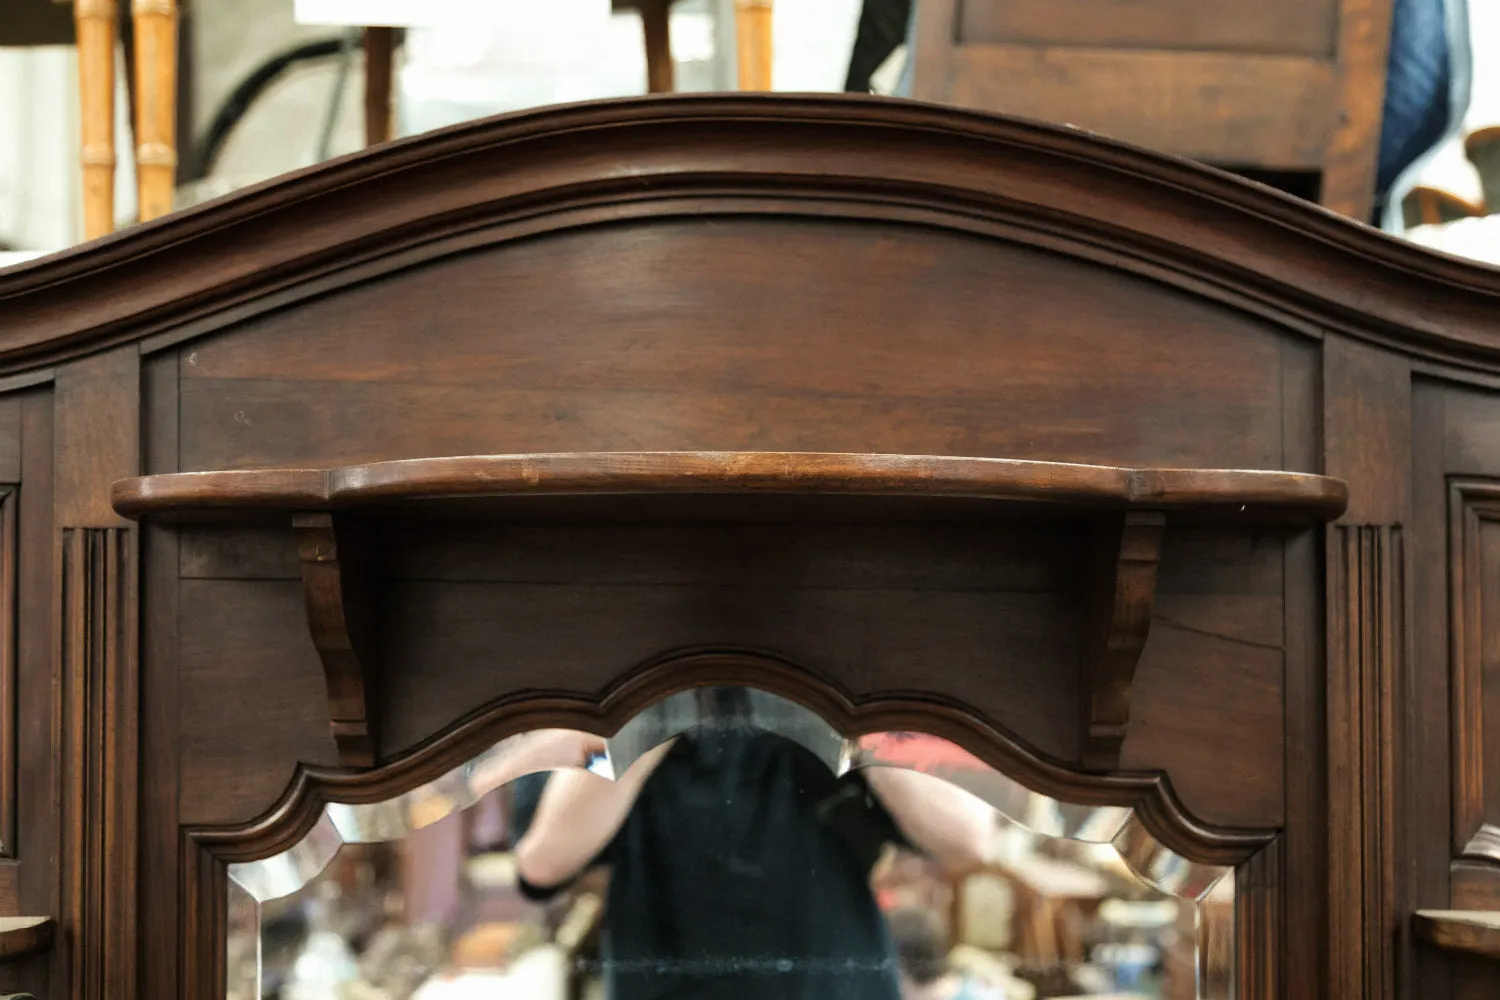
{"type": "Point", "coordinates": [743, 872]}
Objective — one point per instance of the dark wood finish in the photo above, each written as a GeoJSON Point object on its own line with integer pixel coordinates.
{"type": "Point", "coordinates": [9, 746]}
{"type": "Point", "coordinates": [1198, 231]}
{"type": "Point", "coordinates": [1129, 555]}
{"type": "Point", "coordinates": [1366, 647]}
{"type": "Point", "coordinates": [1234, 82]}
{"type": "Point", "coordinates": [1476, 933]}
{"type": "Point", "coordinates": [22, 936]}
{"type": "Point", "coordinates": [338, 617]}
{"type": "Point", "coordinates": [676, 326]}
{"type": "Point", "coordinates": [339, 597]}
{"type": "Point", "coordinates": [99, 692]}
{"type": "Point", "coordinates": [1292, 495]}
{"type": "Point", "coordinates": [1474, 534]}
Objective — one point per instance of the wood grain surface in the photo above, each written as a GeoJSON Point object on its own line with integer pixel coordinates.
{"type": "Point", "coordinates": [1296, 494]}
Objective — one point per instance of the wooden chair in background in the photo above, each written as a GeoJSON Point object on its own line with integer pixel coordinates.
{"type": "Point", "coordinates": [155, 89]}
{"type": "Point", "coordinates": [155, 124]}
{"type": "Point", "coordinates": [1280, 87]}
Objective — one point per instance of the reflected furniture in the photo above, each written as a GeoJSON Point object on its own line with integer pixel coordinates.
{"type": "Point", "coordinates": [1283, 88]}
{"type": "Point", "coordinates": [1152, 490]}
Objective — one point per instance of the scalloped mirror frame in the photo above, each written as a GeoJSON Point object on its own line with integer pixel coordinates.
{"type": "Point", "coordinates": [1157, 818]}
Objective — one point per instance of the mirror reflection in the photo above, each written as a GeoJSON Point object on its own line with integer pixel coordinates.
{"type": "Point", "coordinates": [727, 844]}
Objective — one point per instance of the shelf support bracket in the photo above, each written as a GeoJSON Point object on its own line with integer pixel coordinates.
{"type": "Point", "coordinates": [337, 592]}
{"type": "Point", "coordinates": [1124, 594]}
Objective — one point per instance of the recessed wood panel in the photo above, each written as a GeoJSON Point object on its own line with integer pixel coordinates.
{"type": "Point", "coordinates": [799, 336]}
{"type": "Point", "coordinates": [1474, 534]}
{"type": "Point", "coordinates": [251, 697]}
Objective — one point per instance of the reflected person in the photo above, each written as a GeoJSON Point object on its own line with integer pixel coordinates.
{"type": "Point", "coordinates": [740, 864]}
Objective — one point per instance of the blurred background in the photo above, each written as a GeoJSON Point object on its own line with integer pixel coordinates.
{"type": "Point", "coordinates": [265, 88]}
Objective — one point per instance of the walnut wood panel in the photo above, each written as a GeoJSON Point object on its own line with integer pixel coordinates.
{"type": "Point", "coordinates": [245, 644]}
{"type": "Point", "coordinates": [9, 742]}
{"type": "Point", "coordinates": [1047, 377]}
{"type": "Point", "coordinates": [869, 603]}
{"type": "Point", "coordinates": [836, 157]}
{"type": "Point", "coordinates": [759, 274]}
{"type": "Point", "coordinates": [32, 884]}
{"type": "Point", "coordinates": [1366, 662]}
{"type": "Point", "coordinates": [1259, 901]}
{"type": "Point", "coordinates": [1296, 496]}
{"type": "Point", "coordinates": [1474, 531]}
{"type": "Point", "coordinates": [97, 654]}
{"type": "Point", "coordinates": [1283, 106]}
{"type": "Point", "coordinates": [1302, 27]}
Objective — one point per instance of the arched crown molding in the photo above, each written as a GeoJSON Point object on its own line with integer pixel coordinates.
{"type": "Point", "coordinates": [1148, 794]}
{"type": "Point", "coordinates": [840, 156]}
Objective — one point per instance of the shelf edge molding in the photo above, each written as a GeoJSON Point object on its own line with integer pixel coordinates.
{"type": "Point", "coordinates": [1293, 495]}
{"type": "Point", "coordinates": [23, 936]}
{"type": "Point", "coordinates": [1473, 932]}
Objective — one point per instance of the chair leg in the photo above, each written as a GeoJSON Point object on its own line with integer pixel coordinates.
{"type": "Point", "coordinates": [155, 31]}
{"type": "Point", "coordinates": [95, 21]}
{"type": "Point", "coordinates": [380, 72]}
{"type": "Point", "coordinates": [656, 20]}
{"type": "Point", "coordinates": [752, 26]}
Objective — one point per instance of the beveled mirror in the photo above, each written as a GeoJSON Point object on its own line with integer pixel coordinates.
{"type": "Point", "coordinates": [727, 842]}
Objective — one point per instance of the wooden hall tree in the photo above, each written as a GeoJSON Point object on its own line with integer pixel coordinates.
{"type": "Point", "coordinates": [1146, 487]}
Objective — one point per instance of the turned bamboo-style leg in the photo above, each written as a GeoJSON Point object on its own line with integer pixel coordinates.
{"type": "Point", "coordinates": [155, 105]}
{"type": "Point", "coordinates": [752, 28]}
{"type": "Point", "coordinates": [96, 24]}
{"type": "Point", "coordinates": [380, 72]}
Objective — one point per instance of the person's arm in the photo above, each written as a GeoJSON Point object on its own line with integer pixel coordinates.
{"type": "Point", "coordinates": [946, 823]}
{"type": "Point", "coordinates": [579, 813]}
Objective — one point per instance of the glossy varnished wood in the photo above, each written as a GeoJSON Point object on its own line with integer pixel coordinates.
{"type": "Point", "coordinates": [22, 936]}
{"type": "Point", "coordinates": [1294, 495]}
{"type": "Point", "coordinates": [676, 327]}
{"type": "Point", "coordinates": [1472, 931]}
{"type": "Point", "coordinates": [847, 157]}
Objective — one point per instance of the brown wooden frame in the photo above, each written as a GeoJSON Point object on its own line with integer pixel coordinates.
{"type": "Point", "coordinates": [1376, 363]}
{"type": "Point", "coordinates": [210, 850]}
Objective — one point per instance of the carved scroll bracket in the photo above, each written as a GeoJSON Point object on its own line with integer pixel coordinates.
{"type": "Point", "coordinates": [1119, 623]}
{"type": "Point", "coordinates": [337, 590]}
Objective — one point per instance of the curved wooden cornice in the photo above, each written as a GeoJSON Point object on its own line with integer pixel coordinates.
{"type": "Point", "coordinates": [1150, 794]}
{"type": "Point", "coordinates": [1266, 494]}
{"type": "Point", "coordinates": [830, 156]}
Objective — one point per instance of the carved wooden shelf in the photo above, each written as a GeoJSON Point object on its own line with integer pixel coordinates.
{"type": "Point", "coordinates": [22, 936]}
{"type": "Point", "coordinates": [1283, 495]}
{"type": "Point", "coordinates": [1126, 510]}
{"type": "Point", "coordinates": [1474, 932]}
